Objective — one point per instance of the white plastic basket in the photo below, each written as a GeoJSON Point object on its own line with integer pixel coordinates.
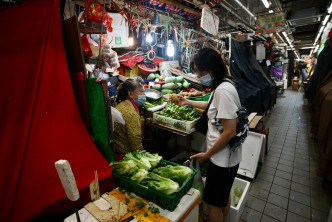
{"type": "Point", "coordinates": [188, 126]}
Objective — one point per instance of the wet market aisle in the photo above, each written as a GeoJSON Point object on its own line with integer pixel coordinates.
{"type": "Point", "coordinates": [287, 187]}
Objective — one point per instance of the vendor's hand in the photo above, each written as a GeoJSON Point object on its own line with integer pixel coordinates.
{"type": "Point", "coordinates": [180, 101]}
{"type": "Point", "coordinates": [99, 79]}
{"type": "Point", "coordinates": [200, 157]}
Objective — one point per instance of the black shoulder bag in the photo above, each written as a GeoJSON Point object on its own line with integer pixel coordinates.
{"type": "Point", "coordinates": [202, 123]}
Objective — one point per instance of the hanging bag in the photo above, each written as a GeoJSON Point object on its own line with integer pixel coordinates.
{"type": "Point", "coordinates": [202, 123]}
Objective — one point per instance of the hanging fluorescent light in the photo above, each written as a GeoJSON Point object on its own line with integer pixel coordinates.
{"type": "Point", "coordinates": [326, 19]}
{"type": "Point", "coordinates": [245, 8]}
{"type": "Point", "coordinates": [266, 3]}
{"type": "Point", "coordinates": [280, 37]}
{"type": "Point", "coordinates": [309, 47]}
{"type": "Point", "coordinates": [330, 9]}
{"type": "Point", "coordinates": [286, 37]}
{"type": "Point", "coordinates": [270, 11]}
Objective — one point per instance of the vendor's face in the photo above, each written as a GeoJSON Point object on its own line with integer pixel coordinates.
{"type": "Point", "coordinates": [138, 91]}
{"type": "Point", "coordinates": [201, 73]}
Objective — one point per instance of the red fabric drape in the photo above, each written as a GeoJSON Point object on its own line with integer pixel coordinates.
{"type": "Point", "coordinates": [39, 119]}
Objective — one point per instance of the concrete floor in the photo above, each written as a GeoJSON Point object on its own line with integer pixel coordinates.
{"type": "Point", "coordinates": [287, 187]}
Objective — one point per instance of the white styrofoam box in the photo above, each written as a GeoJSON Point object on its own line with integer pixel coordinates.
{"type": "Point", "coordinates": [235, 211]}
{"type": "Point", "coordinates": [251, 151]}
{"type": "Point", "coordinates": [198, 142]}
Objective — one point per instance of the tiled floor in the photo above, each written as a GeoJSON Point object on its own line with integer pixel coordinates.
{"type": "Point", "coordinates": [287, 187]}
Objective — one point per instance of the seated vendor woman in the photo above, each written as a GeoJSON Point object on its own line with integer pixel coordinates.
{"type": "Point", "coordinates": [128, 137]}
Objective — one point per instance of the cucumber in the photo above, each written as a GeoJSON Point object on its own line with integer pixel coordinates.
{"type": "Point", "coordinates": [170, 79]}
{"type": "Point", "coordinates": [167, 91]}
{"type": "Point", "coordinates": [179, 85]}
{"type": "Point", "coordinates": [156, 76]}
{"type": "Point", "coordinates": [151, 76]}
{"type": "Point", "coordinates": [185, 84]}
{"type": "Point", "coordinates": [170, 86]}
{"type": "Point", "coordinates": [179, 79]}
{"type": "Point", "coordinates": [156, 86]}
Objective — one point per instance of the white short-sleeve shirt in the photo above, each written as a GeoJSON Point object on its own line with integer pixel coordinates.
{"type": "Point", "coordinates": [224, 105]}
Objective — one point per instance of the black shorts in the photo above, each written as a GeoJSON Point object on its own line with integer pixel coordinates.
{"type": "Point", "coordinates": [219, 181]}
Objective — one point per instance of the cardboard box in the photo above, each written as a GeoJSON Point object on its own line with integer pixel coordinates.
{"type": "Point", "coordinates": [295, 86]}
{"type": "Point", "coordinates": [253, 120]}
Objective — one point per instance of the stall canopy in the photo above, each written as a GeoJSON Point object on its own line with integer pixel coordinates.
{"type": "Point", "coordinates": [40, 121]}
{"type": "Point", "coordinates": [253, 88]}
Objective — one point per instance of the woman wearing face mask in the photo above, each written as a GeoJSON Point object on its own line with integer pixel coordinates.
{"type": "Point", "coordinates": [128, 137]}
{"type": "Point", "coordinates": [222, 165]}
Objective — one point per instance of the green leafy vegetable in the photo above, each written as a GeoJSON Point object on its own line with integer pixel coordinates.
{"type": "Point", "coordinates": [186, 113]}
{"type": "Point", "coordinates": [237, 193]}
{"type": "Point", "coordinates": [152, 103]}
{"type": "Point", "coordinates": [154, 159]}
{"type": "Point", "coordinates": [178, 174]}
{"type": "Point", "coordinates": [161, 184]}
{"type": "Point", "coordinates": [141, 163]}
{"type": "Point", "coordinates": [125, 167]}
{"type": "Point", "coordinates": [139, 175]}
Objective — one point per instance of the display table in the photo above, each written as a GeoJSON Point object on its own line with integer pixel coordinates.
{"type": "Point", "coordinates": [186, 211]}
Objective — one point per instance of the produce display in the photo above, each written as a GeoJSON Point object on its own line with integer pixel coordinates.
{"type": "Point", "coordinates": [170, 85]}
{"type": "Point", "coordinates": [152, 103]}
{"type": "Point", "coordinates": [186, 113]}
{"type": "Point", "coordinates": [142, 167]}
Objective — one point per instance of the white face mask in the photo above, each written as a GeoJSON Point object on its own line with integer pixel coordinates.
{"type": "Point", "coordinates": [206, 80]}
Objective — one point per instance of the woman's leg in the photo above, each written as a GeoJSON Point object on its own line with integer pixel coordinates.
{"type": "Point", "coordinates": [225, 210]}
{"type": "Point", "coordinates": [215, 214]}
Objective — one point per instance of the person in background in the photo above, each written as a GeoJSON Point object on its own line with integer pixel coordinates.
{"type": "Point", "coordinates": [222, 164]}
{"type": "Point", "coordinates": [128, 137]}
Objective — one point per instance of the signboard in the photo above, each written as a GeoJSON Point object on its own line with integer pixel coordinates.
{"type": "Point", "coordinates": [119, 36]}
{"type": "Point", "coordinates": [270, 23]}
{"type": "Point", "coordinates": [209, 21]}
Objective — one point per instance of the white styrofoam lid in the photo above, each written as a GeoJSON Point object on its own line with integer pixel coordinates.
{"type": "Point", "coordinates": [251, 149]}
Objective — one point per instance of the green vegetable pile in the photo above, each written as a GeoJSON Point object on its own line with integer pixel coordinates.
{"type": "Point", "coordinates": [186, 113]}
{"type": "Point", "coordinates": [140, 166]}
{"type": "Point", "coordinates": [152, 103]}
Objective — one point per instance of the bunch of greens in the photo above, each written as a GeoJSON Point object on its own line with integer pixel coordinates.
{"type": "Point", "coordinates": [162, 184]}
{"type": "Point", "coordinates": [186, 113]}
{"type": "Point", "coordinates": [237, 193]}
{"type": "Point", "coordinates": [125, 167]}
{"type": "Point", "coordinates": [177, 173]}
{"type": "Point", "coordinates": [152, 103]}
{"type": "Point", "coordinates": [135, 166]}
{"type": "Point", "coordinates": [139, 175]}
{"type": "Point", "coordinates": [141, 163]}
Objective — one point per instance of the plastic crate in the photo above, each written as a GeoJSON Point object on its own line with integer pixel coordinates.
{"type": "Point", "coordinates": [188, 126]}
{"type": "Point", "coordinates": [165, 201]}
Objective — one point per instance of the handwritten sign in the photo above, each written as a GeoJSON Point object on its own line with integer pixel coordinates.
{"type": "Point", "coordinates": [270, 23]}
{"type": "Point", "coordinates": [209, 21]}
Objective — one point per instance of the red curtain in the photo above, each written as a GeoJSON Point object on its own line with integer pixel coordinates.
{"type": "Point", "coordinates": [39, 119]}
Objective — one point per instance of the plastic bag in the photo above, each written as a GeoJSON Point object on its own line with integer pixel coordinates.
{"type": "Point", "coordinates": [198, 181]}
{"type": "Point", "coordinates": [95, 14]}
{"type": "Point", "coordinates": [117, 116]}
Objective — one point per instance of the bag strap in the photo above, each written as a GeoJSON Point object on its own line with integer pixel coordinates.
{"type": "Point", "coordinates": [208, 106]}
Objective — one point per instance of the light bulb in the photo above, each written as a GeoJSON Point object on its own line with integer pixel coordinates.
{"type": "Point", "coordinates": [149, 38]}
{"type": "Point", "coordinates": [130, 41]}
